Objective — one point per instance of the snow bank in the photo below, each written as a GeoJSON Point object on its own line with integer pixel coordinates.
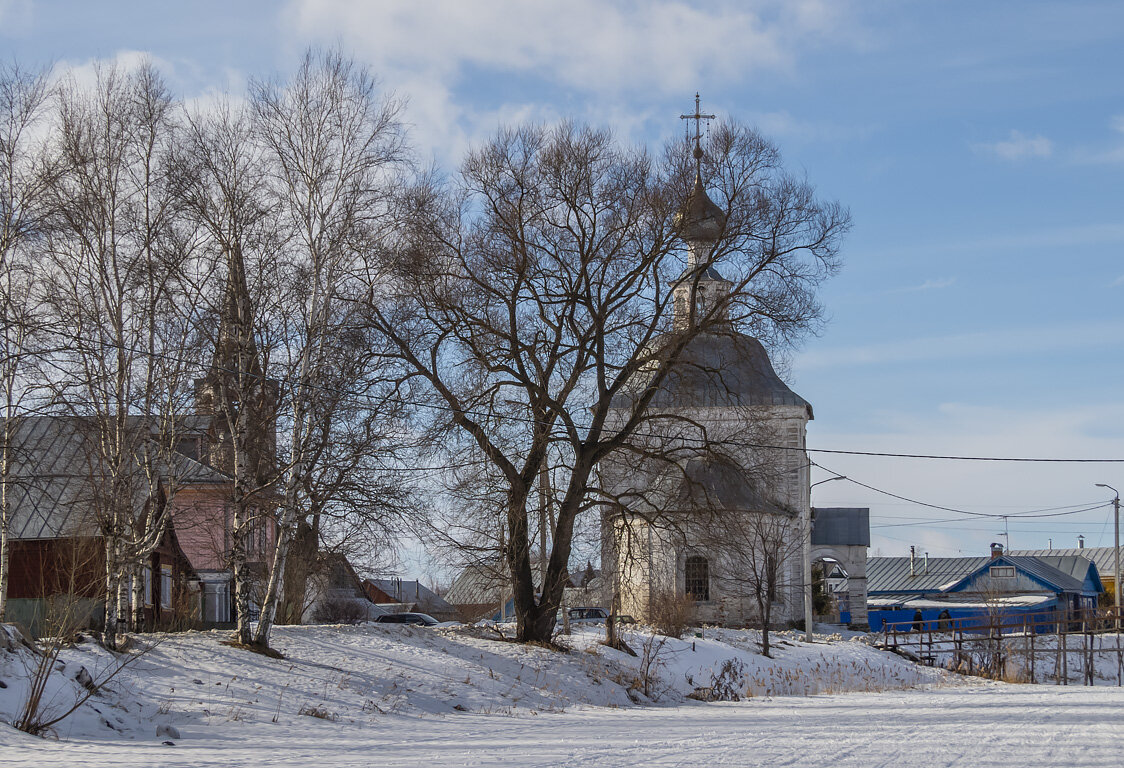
{"type": "Point", "coordinates": [332, 677]}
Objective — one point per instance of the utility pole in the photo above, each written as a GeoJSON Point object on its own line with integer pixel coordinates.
{"type": "Point", "coordinates": [1116, 552]}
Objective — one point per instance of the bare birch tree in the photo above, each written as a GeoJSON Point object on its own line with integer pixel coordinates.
{"type": "Point", "coordinates": [332, 144]}
{"type": "Point", "coordinates": [121, 311]}
{"type": "Point", "coordinates": [23, 176]}
{"type": "Point", "coordinates": [222, 179]}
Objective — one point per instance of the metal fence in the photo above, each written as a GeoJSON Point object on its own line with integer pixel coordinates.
{"type": "Point", "coordinates": [1083, 647]}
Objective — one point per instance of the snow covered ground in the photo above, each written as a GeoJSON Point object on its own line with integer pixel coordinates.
{"type": "Point", "coordinates": [391, 695]}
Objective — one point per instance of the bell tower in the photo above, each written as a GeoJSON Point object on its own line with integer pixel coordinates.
{"type": "Point", "coordinates": [700, 223]}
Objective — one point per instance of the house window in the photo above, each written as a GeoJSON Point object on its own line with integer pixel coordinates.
{"type": "Point", "coordinates": [1002, 572]}
{"type": "Point", "coordinates": [165, 587]}
{"type": "Point", "coordinates": [697, 584]}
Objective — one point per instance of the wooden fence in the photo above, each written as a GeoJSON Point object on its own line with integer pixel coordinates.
{"type": "Point", "coordinates": [1063, 647]}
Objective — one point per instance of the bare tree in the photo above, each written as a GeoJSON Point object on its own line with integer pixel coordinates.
{"type": "Point", "coordinates": [222, 177]}
{"type": "Point", "coordinates": [332, 146]}
{"type": "Point", "coordinates": [758, 548]}
{"type": "Point", "coordinates": [23, 176]}
{"type": "Point", "coordinates": [121, 310]}
{"type": "Point", "coordinates": [530, 297]}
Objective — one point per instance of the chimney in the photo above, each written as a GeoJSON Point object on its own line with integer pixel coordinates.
{"type": "Point", "coordinates": [912, 560]}
{"type": "Point", "coordinates": [1081, 542]}
{"type": "Point", "coordinates": [996, 550]}
{"type": "Point", "coordinates": [925, 569]}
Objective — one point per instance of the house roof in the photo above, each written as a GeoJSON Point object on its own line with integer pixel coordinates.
{"type": "Point", "coordinates": [1103, 557]}
{"type": "Point", "coordinates": [891, 575]}
{"type": "Point", "coordinates": [54, 471]}
{"type": "Point", "coordinates": [402, 591]}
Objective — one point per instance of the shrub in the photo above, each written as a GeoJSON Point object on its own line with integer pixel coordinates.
{"type": "Point", "coordinates": [671, 614]}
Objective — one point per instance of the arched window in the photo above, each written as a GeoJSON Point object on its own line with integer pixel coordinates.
{"type": "Point", "coordinates": [697, 583]}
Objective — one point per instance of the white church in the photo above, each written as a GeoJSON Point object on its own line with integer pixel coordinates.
{"type": "Point", "coordinates": [719, 531]}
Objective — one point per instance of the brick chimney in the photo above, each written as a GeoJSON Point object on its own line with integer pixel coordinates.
{"type": "Point", "coordinates": [996, 550]}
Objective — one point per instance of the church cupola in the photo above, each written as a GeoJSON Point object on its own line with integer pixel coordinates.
{"type": "Point", "coordinates": [700, 223]}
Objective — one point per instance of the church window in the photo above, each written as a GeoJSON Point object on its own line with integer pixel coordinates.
{"type": "Point", "coordinates": [697, 584]}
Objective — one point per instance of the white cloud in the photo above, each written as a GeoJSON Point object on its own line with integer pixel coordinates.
{"type": "Point", "coordinates": [1019, 146]}
{"type": "Point", "coordinates": [588, 44]}
{"type": "Point", "coordinates": [1110, 156]}
{"type": "Point", "coordinates": [606, 51]}
{"type": "Point", "coordinates": [85, 73]}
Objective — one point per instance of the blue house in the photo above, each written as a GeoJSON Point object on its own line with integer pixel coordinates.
{"type": "Point", "coordinates": [1007, 586]}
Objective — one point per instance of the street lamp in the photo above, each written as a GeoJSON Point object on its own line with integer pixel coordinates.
{"type": "Point", "coordinates": [1116, 553]}
{"type": "Point", "coordinates": [808, 559]}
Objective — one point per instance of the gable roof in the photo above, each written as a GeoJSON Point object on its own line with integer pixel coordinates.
{"type": "Point", "coordinates": [1102, 557]}
{"type": "Point", "coordinates": [1037, 569]}
{"type": "Point", "coordinates": [53, 488]}
{"type": "Point", "coordinates": [890, 575]}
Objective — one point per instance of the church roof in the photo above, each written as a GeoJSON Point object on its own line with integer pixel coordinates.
{"type": "Point", "coordinates": [700, 218]}
{"type": "Point", "coordinates": [726, 369]}
{"type": "Point", "coordinates": [712, 483]}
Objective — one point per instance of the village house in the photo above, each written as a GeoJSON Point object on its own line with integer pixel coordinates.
{"type": "Point", "coordinates": [57, 548]}
{"type": "Point", "coordinates": [1003, 586]}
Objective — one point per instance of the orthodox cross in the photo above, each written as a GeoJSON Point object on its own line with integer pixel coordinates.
{"type": "Point", "coordinates": [698, 117]}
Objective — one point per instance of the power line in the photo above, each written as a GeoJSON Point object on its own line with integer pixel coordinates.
{"type": "Point", "coordinates": [991, 515]}
{"type": "Point", "coordinates": [353, 397]}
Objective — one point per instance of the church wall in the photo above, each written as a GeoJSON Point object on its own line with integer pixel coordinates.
{"type": "Point", "coordinates": [654, 563]}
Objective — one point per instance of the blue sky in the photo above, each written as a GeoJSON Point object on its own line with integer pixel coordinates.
{"type": "Point", "coordinates": [980, 148]}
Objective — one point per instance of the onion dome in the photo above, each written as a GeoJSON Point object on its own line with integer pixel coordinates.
{"type": "Point", "coordinates": [700, 218]}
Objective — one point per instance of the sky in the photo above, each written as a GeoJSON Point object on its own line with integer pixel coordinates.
{"type": "Point", "coordinates": [979, 147]}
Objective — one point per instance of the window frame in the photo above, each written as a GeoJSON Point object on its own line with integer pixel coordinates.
{"type": "Point", "coordinates": [696, 578]}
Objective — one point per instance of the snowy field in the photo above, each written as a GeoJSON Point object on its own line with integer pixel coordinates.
{"type": "Point", "coordinates": [400, 696]}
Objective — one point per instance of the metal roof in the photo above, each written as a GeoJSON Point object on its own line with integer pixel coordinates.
{"type": "Point", "coordinates": [727, 369]}
{"type": "Point", "coordinates": [891, 575]}
{"type": "Point", "coordinates": [53, 480]}
{"type": "Point", "coordinates": [1103, 557]}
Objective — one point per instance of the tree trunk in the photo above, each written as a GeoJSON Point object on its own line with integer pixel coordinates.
{"type": "Point", "coordinates": [285, 535]}
{"type": "Point", "coordinates": [298, 567]}
{"type": "Point", "coordinates": [764, 608]}
{"type": "Point", "coordinates": [242, 575]}
{"type": "Point", "coordinates": [137, 597]}
{"type": "Point", "coordinates": [5, 518]}
{"type": "Point", "coordinates": [112, 582]}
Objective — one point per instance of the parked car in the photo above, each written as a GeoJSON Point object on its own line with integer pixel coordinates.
{"type": "Point", "coordinates": [419, 619]}
{"type": "Point", "coordinates": [587, 614]}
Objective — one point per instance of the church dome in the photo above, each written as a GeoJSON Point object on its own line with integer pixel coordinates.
{"type": "Point", "coordinates": [725, 370]}
{"type": "Point", "coordinates": [700, 218]}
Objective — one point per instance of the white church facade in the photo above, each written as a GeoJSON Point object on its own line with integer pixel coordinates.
{"type": "Point", "coordinates": [721, 528]}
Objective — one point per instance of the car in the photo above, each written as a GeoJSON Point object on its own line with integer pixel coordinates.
{"type": "Point", "coordinates": [587, 614]}
{"type": "Point", "coordinates": [418, 619]}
